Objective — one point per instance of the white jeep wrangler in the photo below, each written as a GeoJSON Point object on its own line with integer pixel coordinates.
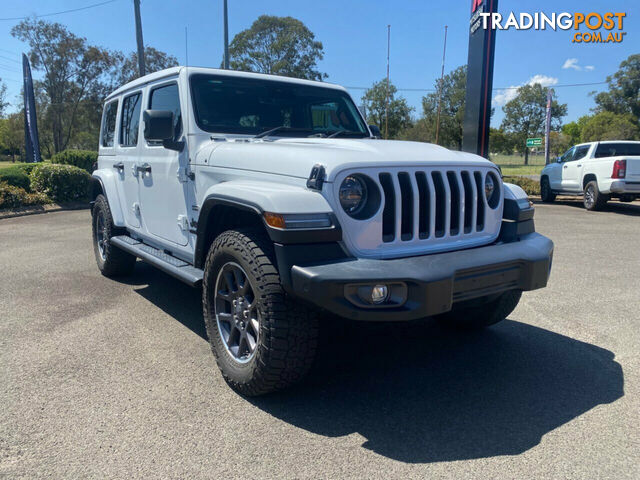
{"type": "Point", "coordinates": [274, 195]}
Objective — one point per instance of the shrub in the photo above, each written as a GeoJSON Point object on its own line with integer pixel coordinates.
{"type": "Point", "coordinates": [78, 158]}
{"type": "Point", "coordinates": [531, 187]}
{"type": "Point", "coordinates": [16, 177]}
{"type": "Point", "coordinates": [12, 197]}
{"type": "Point", "coordinates": [61, 183]}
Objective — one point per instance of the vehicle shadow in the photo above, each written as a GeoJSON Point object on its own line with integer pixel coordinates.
{"type": "Point", "coordinates": [419, 393]}
{"type": "Point", "coordinates": [175, 298]}
{"type": "Point", "coordinates": [631, 209]}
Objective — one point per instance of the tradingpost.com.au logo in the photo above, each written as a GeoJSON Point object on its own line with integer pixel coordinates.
{"type": "Point", "coordinates": [590, 27]}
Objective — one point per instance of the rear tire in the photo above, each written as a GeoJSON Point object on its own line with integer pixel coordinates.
{"type": "Point", "coordinates": [593, 199]}
{"type": "Point", "coordinates": [262, 339]}
{"type": "Point", "coordinates": [483, 315]}
{"type": "Point", "coordinates": [111, 261]}
{"type": "Point", "coordinates": [545, 191]}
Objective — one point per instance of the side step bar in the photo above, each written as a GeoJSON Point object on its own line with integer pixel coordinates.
{"type": "Point", "coordinates": [173, 266]}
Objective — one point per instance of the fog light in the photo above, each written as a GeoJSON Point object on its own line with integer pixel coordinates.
{"type": "Point", "coordinates": [379, 294]}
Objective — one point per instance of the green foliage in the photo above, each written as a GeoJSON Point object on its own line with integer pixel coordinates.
{"type": "Point", "coordinates": [154, 61]}
{"type": "Point", "coordinates": [61, 183]}
{"type": "Point", "coordinates": [525, 115]}
{"type": "Point", "coordinates": [501, 142]}
{"type": "Point", "coordinates": [84, 159]}
{"type": "Point", "coordinates": [13, 197]}
{"type": "Point", "coordinates": [375, 101]}
{"type": "Point", "coordinates": [3, 97]}
{"type": "Point", "coordinates": [16, 177]}
{"type": "Point", "coordinates": [531, 187]}
{"type": "Point", "coordinates": [421, 131]}
{"type": "Point", "coordinates": [279, 46]}
{"type": "Point", "coordinates": [12, 134]}
{"type": "Point", "coordinates": [624, 90]}
{"type": "Point", "coordinates": [610, 126]}
{"type": "Point", "coordinates": [453, 91]}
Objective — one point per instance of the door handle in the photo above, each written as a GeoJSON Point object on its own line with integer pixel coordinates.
{"type": "Point", "coordinates": [579, 165]}
{"type": "Point", "coordinates": [564, 166]}
{"type": "Point", "coordinates": [145, 168]}
{"type": "Point", "coordinates": [119, 166]}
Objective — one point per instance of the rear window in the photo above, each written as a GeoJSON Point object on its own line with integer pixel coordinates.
{"type": "Point", "coordinates": [617, 150]}
{"type": "Point", "coordinates": [109, 124]}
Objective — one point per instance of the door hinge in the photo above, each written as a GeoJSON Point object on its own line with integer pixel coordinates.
{"type": "Point", "coordinates": [183, 222]}
{"type": "Point", "coordinates": [184, 174]}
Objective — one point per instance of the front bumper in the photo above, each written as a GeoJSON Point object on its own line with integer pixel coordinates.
{"type": "Point", "coordinates": [433, 282]}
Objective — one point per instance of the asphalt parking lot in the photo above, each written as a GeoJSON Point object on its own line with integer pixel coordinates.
{"type": "Point", "coordinates": [115, 379]}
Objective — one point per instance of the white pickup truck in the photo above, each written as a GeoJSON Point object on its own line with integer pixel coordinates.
{"type": "Point", "coordinates": [598, 170]}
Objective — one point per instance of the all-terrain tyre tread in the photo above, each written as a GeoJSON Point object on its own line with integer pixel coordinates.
{"type": "Point", "coordinates": [546, 195]}
{"type": "Point", "coordinates": [601, 199]}
{"type": "Point", "coordinates": [288, 329]}
{"type": "Point", "coordinates": [117, 262]}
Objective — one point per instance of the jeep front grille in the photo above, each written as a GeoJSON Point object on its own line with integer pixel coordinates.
{"type": "Point", "coordinates": [427, 204]}
{"type": "Point", "coordinates": [424, 210]}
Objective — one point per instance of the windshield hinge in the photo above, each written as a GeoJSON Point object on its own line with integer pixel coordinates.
{"type": "Point", "coordinates": [316, 177]}
{"type": "Point", "coordinates": [184, 174]}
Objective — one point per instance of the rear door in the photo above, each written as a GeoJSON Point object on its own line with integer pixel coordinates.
{"type": "Point", "coordinates": [165, 189]}
{"type": "Point", "coordinates": [127, 151]}
{"type": "Point", "coordinates": [572, 169]}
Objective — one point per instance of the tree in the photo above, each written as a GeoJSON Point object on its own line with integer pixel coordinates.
{"type": "Point", "coordinates": [422, 130]}
{"type": "Point", "coordinates": [154, 61]}
{"type": "Point", "coordinates": [3, 98]}
{"type": "Point", "coordinates": [559, 142]}
{"type": "Point", "coordinates": [611, 126]}
{"type": "Point", "coordinates": [375, 101]}
{"type": "Point", "coordinates": [453, 86]}
{"type": "Point", "coordinates": [500, 141]}
{"type": "Point", "coordinates": [624, 89]}
{"type": "Point", "coordinates": [525, 115]}
{"type": "Point", "coordinates": [12, 134]}
{"type": "Point", "coordinates": [73, 73]}
{"type": "Point", "coordinates": [279, 46]}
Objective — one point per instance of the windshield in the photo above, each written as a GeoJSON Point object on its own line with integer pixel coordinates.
{"type": "Point", "coordinates": [617, 149]}
{"type": "Point", "coordinates": [250, 106]}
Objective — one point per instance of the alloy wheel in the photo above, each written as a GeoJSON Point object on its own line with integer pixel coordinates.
{"type": "Point", "coordinates": [101, 234]}
{"type": "Point", "coordinates": [236, 312]}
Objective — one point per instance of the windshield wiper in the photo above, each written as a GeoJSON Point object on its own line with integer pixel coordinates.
{"type": "Point", "coordinates": [338, 133]}
{"type": "Point", "coordinates": [281, 128]}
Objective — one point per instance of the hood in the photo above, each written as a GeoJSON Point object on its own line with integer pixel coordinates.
{"type": "Point", "coordinates": [295, 157]}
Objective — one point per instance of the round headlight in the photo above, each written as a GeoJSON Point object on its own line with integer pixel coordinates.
{"type": "Point", "coordinates": [353, 194]}
{"type": "Point", "coordinates": [489, 186]}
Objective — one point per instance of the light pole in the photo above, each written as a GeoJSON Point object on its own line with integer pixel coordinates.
{"type": "Point", "coordinates": [386, 108]}
{"type": "Point", "coordinates": [136, 7]}
{"type": "Point", "coordinates": [226, 36]}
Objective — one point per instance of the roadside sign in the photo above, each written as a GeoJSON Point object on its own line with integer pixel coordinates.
{"type": "Point", "coordinates": [534, 142]}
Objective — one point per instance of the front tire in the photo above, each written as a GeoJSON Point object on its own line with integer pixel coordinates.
{"type": "Point", "coordinates": [593, 199]}
{"type": "Point", "coordinates": [111, 261]}
{"type": "Point", "coordinates": [545, 191]}
{"type": "Point", "coordinates": [262, 340]}
{"type": "Point", "coordinates": [483, 315]}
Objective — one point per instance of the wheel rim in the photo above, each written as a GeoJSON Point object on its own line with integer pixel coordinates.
{"type": "Point", "coordinates": [101, 234]}
{"type": "Point", "coordinates": [589, 196]}
{"type": "Point", "coordinates": [236, 312]}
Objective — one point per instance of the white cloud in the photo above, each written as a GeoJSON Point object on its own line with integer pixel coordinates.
{"type": "Point", "coordinates": [504, 96]}
{"type": "Point", "coordinates": [572, 63]}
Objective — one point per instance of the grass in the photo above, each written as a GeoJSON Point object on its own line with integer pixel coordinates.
{"type": "Point", "coordinates": [514, 164]}
{"type": "Point", "coordinates": [9, 164]}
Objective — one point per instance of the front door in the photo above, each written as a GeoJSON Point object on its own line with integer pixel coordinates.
{"type": "Point", "coordinates": [555, 173]}
{"type": "Point", "coordinates": [165, 189]}
{"type": "Point", "coordinates": [572, 170]}
{"type": "Point", "coordinates": [127, 149]}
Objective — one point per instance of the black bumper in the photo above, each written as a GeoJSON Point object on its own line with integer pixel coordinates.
{"type": "Point", "coordinates": [433, 282]}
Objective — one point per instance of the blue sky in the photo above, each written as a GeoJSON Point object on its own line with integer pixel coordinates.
{"type": "Point", "coordinates": [354, 36]}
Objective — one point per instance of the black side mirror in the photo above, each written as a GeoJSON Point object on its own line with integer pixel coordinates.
{"type": "Point", "coordinates": [158, 127]}
{"type": "Point", "coordinates": [375, 131]}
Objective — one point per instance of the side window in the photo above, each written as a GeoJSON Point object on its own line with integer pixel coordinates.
{"type": "Point", "coordinates": [130, 120]}
{"type": "Point", "coordinates": [108, 130]}
{"type": "Point", "coordinates": [567, 156]}
{"type": "Point", "coordinates": [167, 98]}
{"type": "Point", "coordinates": [581, 152]}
